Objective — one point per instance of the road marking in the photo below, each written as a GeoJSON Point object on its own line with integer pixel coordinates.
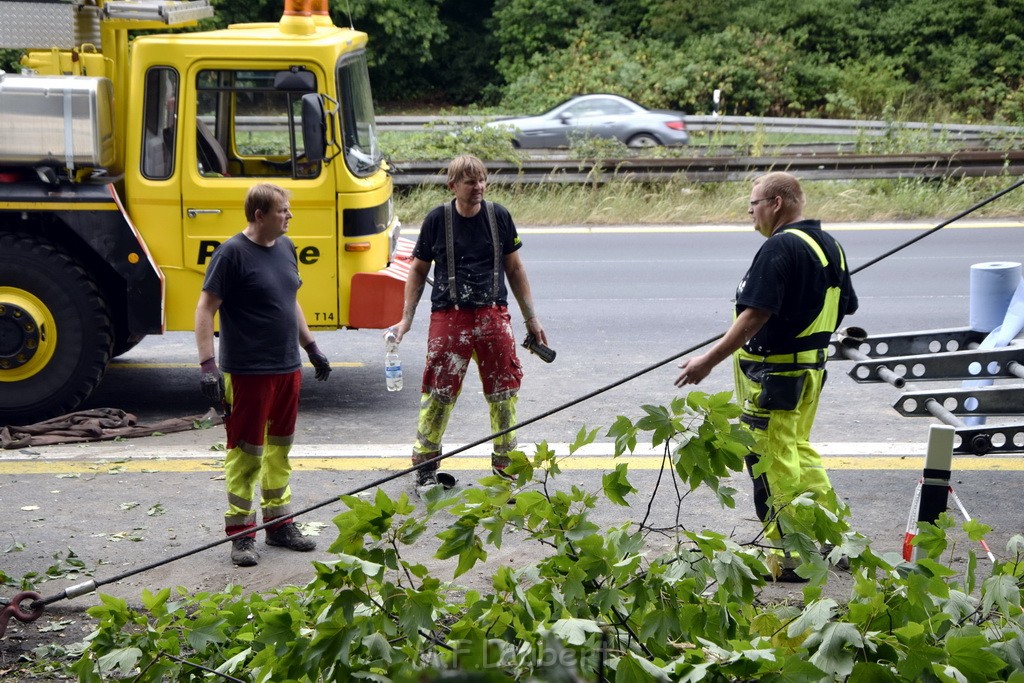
{"type": "Point", "coordinates": [125, 458]}
{"type": "Point", "coordinates": [141, 365]}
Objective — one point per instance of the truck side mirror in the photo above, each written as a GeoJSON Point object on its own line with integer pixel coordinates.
{"type": "Point", "coordinates": [314, 127]}
{"type": "Point", "coordinates": [295, 80]}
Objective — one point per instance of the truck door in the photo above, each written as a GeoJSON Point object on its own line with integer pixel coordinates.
{"type": "Point", "coordinates": [248, 130]}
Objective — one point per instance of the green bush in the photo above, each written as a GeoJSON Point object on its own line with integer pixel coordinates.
{"type": "Point", "coordinates": [598, 604]}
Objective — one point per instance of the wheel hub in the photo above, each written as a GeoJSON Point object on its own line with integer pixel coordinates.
{"type": "Point", "coordinates": [19, 336]}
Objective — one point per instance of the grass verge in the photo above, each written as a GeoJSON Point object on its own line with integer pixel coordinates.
{"type": "Point", "coordinates": [711, 203]}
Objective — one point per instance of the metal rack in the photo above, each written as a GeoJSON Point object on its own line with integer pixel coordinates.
{"type": "Point", "coordinates": [945, 355]}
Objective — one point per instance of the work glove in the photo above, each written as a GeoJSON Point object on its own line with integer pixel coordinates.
{"type": "Point", "coordinates": [321, 366]}
{"type": "Point", "coordinates": [211, 381]}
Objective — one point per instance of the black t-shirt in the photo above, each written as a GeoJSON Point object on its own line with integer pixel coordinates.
{"type": "Point", "coordinates": [259, 330]}
{"type": "Point", "coordinates": [474, 256]}
{"type": "Point", "coordinates": [786, 278]}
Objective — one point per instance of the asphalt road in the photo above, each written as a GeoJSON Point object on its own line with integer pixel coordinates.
{"type": "Point", "coordinates": [613, 302]}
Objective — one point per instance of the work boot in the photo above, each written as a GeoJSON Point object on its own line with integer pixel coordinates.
{"type": "Point", "coordinates": [427, 479]}
{"type": "Point", "coordinates": [243, 551]}
{"type": "Point", "coordinates": [288, 536]}
{"type": "Point", "coordinates": [500, 472]}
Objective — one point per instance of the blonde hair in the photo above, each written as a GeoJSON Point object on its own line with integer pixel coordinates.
{"type": "Point", "coordinates": [263, 197]}
{"type": "Point", "coordinates": [782, 184]}
{"type": "Point", "coordinates": [466, 166]}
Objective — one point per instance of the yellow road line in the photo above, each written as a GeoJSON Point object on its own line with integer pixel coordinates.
{"type": "Point", "coordinates": [213, 464]}
{"type": "Point", "coordinates": [138, 365]}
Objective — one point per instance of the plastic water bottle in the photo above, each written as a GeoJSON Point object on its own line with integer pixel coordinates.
{"type": "Point", "coordinates": [392, 364]}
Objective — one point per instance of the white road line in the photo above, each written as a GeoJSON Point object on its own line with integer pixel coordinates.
{"type": "Point", "coordinates": [127, 449]}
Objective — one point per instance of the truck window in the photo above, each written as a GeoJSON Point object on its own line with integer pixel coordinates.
{"type": "Point", "coordinates": [245, 127]}
{"type": "Point", "coordinates": [160, 110]}
{"type": "Point", "coordinates": [362, 150]}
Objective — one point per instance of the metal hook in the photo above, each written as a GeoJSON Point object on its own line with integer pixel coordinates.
{"type": "Point", "coordinates": [14, 609]}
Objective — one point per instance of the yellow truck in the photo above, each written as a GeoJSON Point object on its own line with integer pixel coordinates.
{"type": "Point", "coordinates": [124, 161]}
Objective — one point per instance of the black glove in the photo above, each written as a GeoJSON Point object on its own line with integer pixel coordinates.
{"type": "Point", "coordinates": [321, 366]}
{"type": "Point", "coordinates": [211, 381]}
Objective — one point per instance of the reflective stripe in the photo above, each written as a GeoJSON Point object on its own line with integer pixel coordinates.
{"type": "Point", "coordinates": [811, 357]}
{"type": "Point", "coordinates": [277, 440]}
{"type": "Point", "coordinates": [815, 247]}
{"type": "Point", "coordinates": [250, 449]}
{"type": "Point", "coordinates": [239, 502]}
{"type": "Point", "coordinates": [828, 317]}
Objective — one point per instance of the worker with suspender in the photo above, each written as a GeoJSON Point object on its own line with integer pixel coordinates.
{"type": "Point", "coordinates": [791, 300]}
{"type": "Point", "coordinates": [474, 246]}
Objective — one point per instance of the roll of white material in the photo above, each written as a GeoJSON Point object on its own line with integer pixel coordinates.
{"type": "Point", "coordinates": [992, 287]}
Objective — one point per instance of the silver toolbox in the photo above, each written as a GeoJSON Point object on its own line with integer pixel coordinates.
{"type": "Point", "coordinates": [61, 121]}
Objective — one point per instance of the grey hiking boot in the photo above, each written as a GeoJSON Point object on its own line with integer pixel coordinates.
{"type": "Point", "coordinates": [288, 536]}
{"type": "Point", "coordinates": [243, 552]}
{"type": "Point", "coordinates": [427, 479]}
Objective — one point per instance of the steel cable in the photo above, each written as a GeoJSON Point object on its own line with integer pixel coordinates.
{"type": "Point", "coordinates": [89, 586]}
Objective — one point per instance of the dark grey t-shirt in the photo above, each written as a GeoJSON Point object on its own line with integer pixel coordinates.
{"type": "Point", "coordinates": [259, 331]}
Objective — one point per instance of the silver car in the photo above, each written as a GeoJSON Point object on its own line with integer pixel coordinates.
{"type": "Point", "coordinates": [600, 116]}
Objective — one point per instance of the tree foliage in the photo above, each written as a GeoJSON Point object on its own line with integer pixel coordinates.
{"type": "Point", "coordinates": [600, 604]}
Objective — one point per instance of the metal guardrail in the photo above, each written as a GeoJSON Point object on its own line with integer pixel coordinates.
{"type": "Point", "coordinates": [742, 124]}
{"type": "Point", "coordinates": [719, 169]}
{"type": "Point", "coordinates": [713, 124]}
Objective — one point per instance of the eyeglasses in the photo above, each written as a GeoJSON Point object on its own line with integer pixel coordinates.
{"type": "Point", "coordinates": [758, 201]}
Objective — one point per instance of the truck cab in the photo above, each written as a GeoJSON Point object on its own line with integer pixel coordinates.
{"type": "Point", "coordinates": [125, 160]}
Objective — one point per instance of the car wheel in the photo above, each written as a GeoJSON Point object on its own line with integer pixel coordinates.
{"type": "Point", "coordinates": [643, 140]}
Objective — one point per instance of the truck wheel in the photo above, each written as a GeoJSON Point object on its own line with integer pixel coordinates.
{"type": "Point", "coordinates": [55, 331]}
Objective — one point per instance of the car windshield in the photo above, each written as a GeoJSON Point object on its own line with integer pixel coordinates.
{"type": "Point", "coordinates": [362, 150]}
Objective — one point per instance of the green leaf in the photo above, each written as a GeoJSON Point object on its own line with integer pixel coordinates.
{"type": "Point", "coordinates": [123, 659]}
{"type": "Point", "coordinates": [632, 669]}
{"type": "Point", "coordinates": [835, 644]}
{"type": "Point", "coordinates": [231, 664]}
{"type": "Point", "coordinates": [813, 618]}
{"type": "Point", "coordinates": [971, 656]}
{"type": "Point", "coordinates": [583, 437]}
{"type": "Point", "coordinates": [975, 530]}
{"type": "Point", "coordinates": [625, 435]}
{"type": "Point", "coordinates": [1001, 591]}
{"type": "Point", "coordinates": [616, 485]}
{"type": "Point", "coordinates": [574, 631]}
{"type": "Point", "coordinates": [457, 537]}
{"type": "Point", "coordinates": [155, 602]}
{"type": "Point", "coordinates": [208, 629]}
{"type": "Point", "coordinates": [871, 672]}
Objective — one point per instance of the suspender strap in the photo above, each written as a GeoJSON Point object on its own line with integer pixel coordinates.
{"type": "Point", "coordinates": [449, 248]}
{"type": "Point", "coordinates": [493, 223]}
{"type": "Point", "coordinates": [449, 243]}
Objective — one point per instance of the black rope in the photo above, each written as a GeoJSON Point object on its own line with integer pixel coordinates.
{"type": "Point", "coordinates": [940, 226]}
{"type": "Point", "coordinates": [586, 397]}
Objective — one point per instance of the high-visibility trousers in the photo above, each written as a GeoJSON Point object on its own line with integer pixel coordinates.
{"type": "Point", "coordinates": [782, 463]}
{"type": "Point", "coordinates": [456, 337]}
{"type": "Point", "coordinates": [260, 431]}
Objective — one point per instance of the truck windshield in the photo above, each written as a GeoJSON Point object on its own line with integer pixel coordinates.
{"type": "Point", "coordinates": [362, 149]}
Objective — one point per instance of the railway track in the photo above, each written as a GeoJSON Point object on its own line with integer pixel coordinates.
{"type": "Point", "coordinates": [828, 166]}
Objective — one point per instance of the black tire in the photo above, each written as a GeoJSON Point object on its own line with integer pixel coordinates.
{"type": "Point", "coordinates": [56, 370]}
{"type": "Point", "coordinates": [643, 140]}
{"type": "Point", "coordinates": [123, 346]}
